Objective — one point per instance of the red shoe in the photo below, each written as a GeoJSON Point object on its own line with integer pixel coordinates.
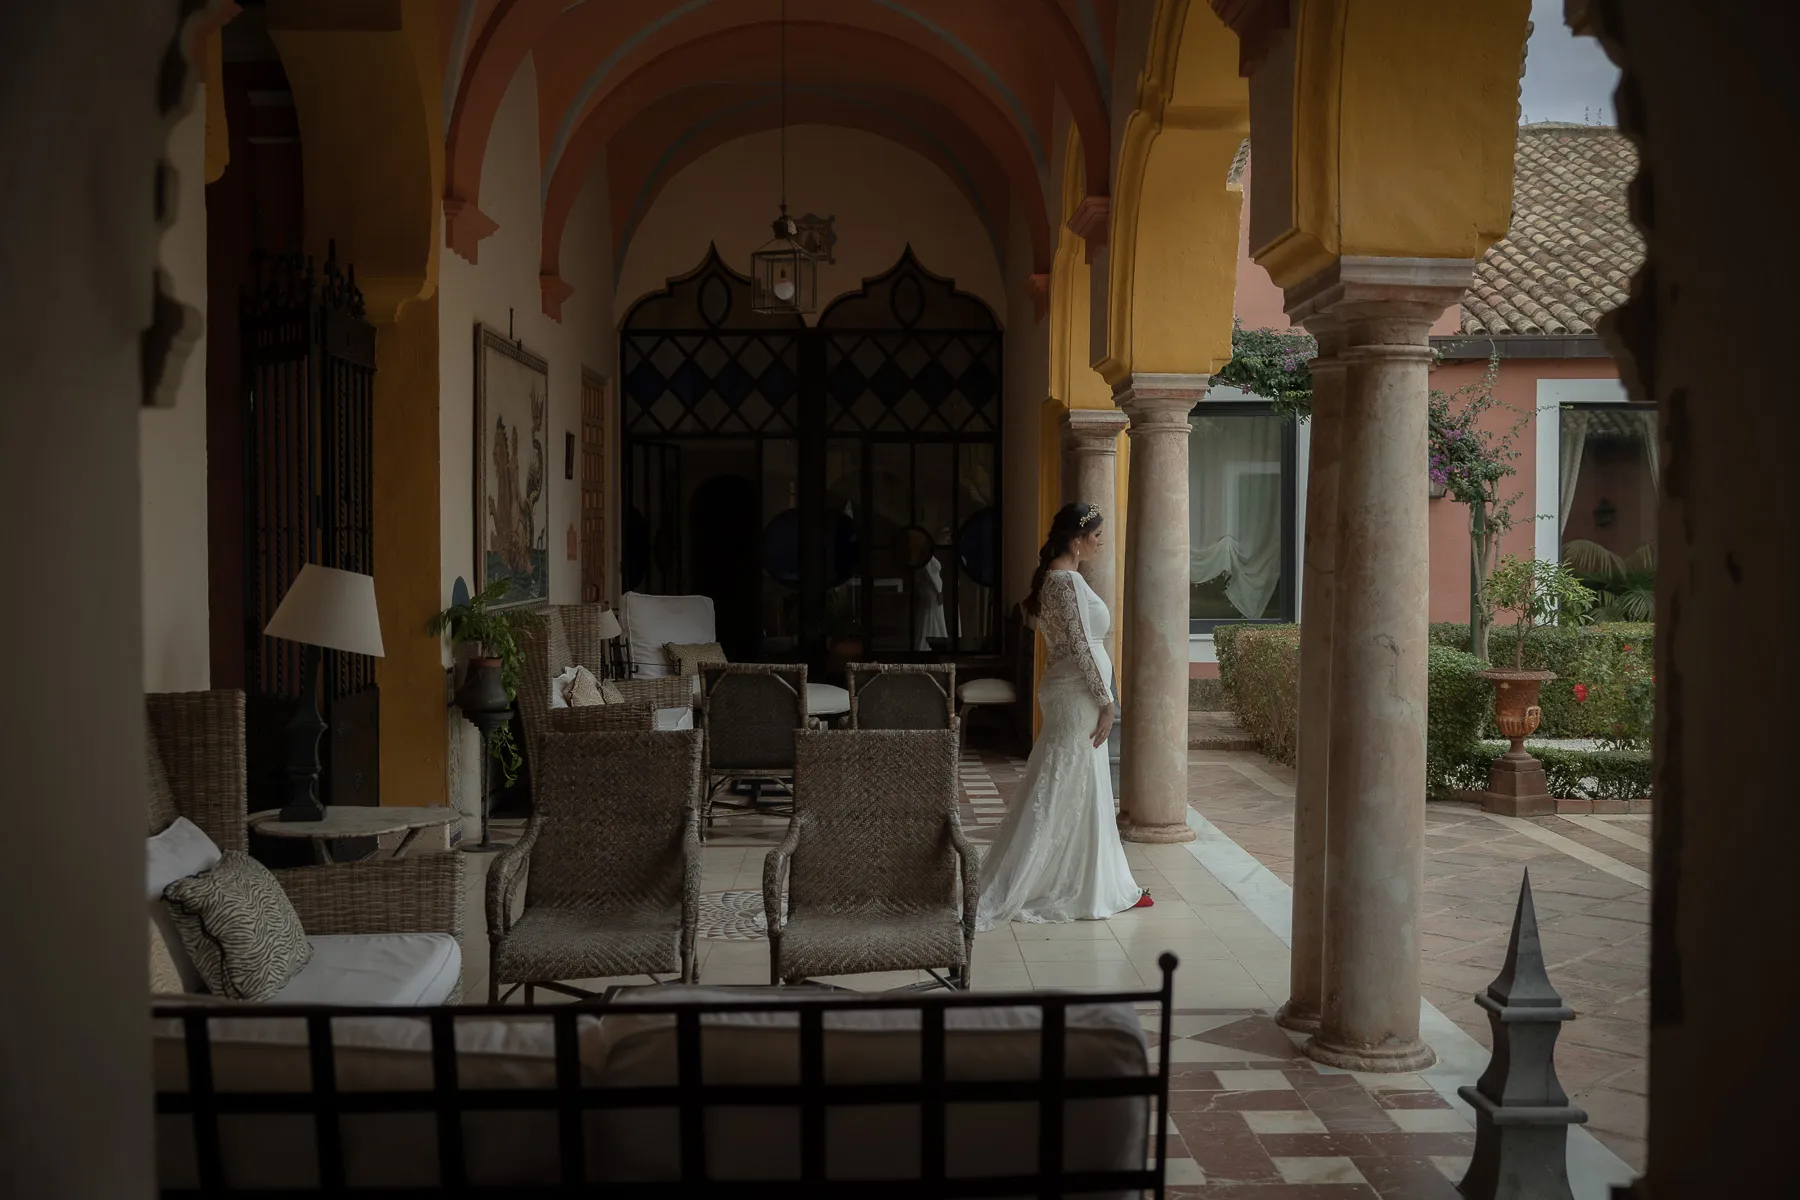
{"type": "Point", "coordinates": [1144, 901]}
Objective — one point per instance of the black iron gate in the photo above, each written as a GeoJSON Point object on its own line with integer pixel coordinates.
{"type": "Point", "coordinates": [833, 487]}
{"type": "Point", "coordinates": [309, 372]}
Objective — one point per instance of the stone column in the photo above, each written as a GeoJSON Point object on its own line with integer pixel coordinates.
{"type": "Point", "coordinates": [1375, 820]}
{"type": "Point", "coordinates": [1155, 754]}
{"type": "Point", "coordinates": [1306, 988]}
{"type": "Point", "coordinates": [1091, 474]}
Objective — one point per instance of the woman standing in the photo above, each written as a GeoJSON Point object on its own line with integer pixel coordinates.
{"type": "Point", "coordinates": [1057, 856]}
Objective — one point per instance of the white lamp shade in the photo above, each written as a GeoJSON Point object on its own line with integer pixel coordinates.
{"type": "Point", "coordinates": [330, 608]}
{"type": "Point", "coordinates": [608, 625]}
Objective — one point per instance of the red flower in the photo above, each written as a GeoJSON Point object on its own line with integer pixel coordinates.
{"type": "Point", "coordinates": [1628, 647]}
{"type": "Point", "coordinates": [1581, 692]}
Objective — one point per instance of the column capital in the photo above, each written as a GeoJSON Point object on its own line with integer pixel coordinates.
{"type": "Point", "coordinates": [1160, 401]}
{"type": "Point", "coordinates": [1362, 299]}
{"type": "Point", "coordinates": [1094, 430]}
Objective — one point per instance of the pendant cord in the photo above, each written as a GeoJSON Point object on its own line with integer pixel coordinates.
{"type": "Point", "coordinates": [784, 107]}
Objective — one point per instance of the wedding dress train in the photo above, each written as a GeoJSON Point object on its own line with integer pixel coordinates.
{"type": "Point", "coordinates": [1057, 856]}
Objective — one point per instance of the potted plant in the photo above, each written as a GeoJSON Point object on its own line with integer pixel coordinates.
{"type": "Point", "coordinates": [1538, 593]}
{"type": "Point", "coordinates": [496, 663]}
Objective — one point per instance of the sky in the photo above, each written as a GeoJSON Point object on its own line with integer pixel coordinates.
{"type": "Point", "coordinates": [1566, 78]}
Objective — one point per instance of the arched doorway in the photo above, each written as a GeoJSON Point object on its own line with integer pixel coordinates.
{"type": "Point", "coordinates": [871, 446]}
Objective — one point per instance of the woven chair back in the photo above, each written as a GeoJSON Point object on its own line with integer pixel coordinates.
{"type": "Point", "coordinates": [195, 763]}
{"type": "Point", "coordinates": [611, 808]}
{"type": "Point", "coordinates": [874, 809]}
{"type": "Point", "coordinates": [751, 712]}
{"type": "Point", "coordinates": [902, 696]}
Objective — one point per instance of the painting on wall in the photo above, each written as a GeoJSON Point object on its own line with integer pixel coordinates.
{"type": "Point", "coordinates": [512, 496]}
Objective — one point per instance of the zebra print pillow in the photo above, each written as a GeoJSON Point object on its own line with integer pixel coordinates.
{"type": "Point", "coordinates": [239, 927]}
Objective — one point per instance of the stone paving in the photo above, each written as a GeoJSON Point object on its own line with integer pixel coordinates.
{"type": "Point", "coordinates": [1593, 912]}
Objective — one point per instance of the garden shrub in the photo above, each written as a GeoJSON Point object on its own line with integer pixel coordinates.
{"type": "Point", "coordinates": [1589, 655]}
{"type": "Point", "coordinates": [1459, 704]}
{"type": "Point", "coordinates": [1570, 774]}
{"type": "Point", "coordinates": [1259, 672]}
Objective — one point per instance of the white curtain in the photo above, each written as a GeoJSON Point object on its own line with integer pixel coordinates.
{"type": "Point", "coordinates": [1575, 424]}
{"type": "Point", "coordinates": [1234, 507]}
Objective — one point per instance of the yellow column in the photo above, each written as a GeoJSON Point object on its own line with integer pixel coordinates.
{"type": "Point", "coordinates": [365, 77]}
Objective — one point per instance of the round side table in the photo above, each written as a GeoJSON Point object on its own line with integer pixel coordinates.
{"type": "Point", "coordinates": [355, 821]}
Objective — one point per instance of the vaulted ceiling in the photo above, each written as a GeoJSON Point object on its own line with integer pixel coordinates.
{"type": "Point", "coordinates": [652, 85]}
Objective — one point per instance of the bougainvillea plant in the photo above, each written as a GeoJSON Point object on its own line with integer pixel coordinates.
{"type": "Point", "coordinates": [1273, 364]}
{"type": "Point", "coordinates": [1472, 462]}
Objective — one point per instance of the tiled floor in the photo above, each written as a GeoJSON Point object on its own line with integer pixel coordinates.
{"type": "Point", "coordinates": [1251, 1116]}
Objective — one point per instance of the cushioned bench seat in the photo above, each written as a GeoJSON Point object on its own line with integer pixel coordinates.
{"type": "Point", "coordinates": [412, 969]}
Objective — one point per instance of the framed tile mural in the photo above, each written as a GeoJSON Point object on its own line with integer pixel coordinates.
{"type": "Point", "coordinates": [512, 496]}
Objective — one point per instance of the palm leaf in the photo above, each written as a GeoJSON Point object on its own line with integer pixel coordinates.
{"type": "Point", "coordinates": [1642, 560]}
{"type": "Point", "coordinates": [1592, 559]}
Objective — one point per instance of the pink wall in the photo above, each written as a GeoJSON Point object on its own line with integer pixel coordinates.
{"type": "Point", "coordinates": [1517, 388]}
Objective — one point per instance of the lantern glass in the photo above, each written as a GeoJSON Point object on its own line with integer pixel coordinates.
{"type": "Point", "coordinates": [784, 278]}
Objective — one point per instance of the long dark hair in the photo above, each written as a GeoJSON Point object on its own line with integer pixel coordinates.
{"type": "Point", "coordinates": [1070, 522]}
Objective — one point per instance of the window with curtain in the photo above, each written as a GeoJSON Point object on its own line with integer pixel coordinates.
{"type": "Point", "coordinates": [1240, 515]}
{"type": "Point", "coordinates": [1610, 468]}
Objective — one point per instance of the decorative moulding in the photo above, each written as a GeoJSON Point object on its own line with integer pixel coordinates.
{"type": "Point", "coordinates": [465, 226]}
{"type": "Point", "coordinates": [1090, 222]}
{"type": "Point", "coordinates": [1258, 25]}
{"type": "Point", "coordinates": [555, 290]}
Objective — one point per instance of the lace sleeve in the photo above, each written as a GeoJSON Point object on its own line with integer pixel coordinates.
{"type": "Point", "coordinates": [1065, 632]}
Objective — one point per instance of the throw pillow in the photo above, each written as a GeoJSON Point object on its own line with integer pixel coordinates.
{"type": "Point", "coordinates": [688, 658]}
{"type": "Point", "coordinates": [239, 926]}
{"type": "Point", "coordinates": [181, 850]}
{"type": "Point", "coordinates": [584, 689]}
{"type": "Point", "coordinates": [164, 978]}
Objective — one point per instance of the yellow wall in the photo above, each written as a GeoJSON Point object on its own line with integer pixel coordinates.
{"type": "Point", "coordinates": [882, 194]}
{"type": "Point", "coordinates": [1394, 126]}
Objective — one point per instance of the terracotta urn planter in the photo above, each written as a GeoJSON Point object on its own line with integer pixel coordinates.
{"type": "Point", "coordinates": [1516, 709]}
{"type": "Point", "coordinates": [1516, 784]}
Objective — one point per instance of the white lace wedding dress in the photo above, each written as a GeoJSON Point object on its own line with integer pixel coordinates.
{"type": "Point", "coordinates": [1057, 856]}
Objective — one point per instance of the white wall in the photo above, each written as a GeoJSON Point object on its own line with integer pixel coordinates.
{"type": "Point", "coordinates": [882, 194]}
{"type": "Point", "coordinates": [172, 452]}
{"type": "Point", "coordinates": [503, 285]}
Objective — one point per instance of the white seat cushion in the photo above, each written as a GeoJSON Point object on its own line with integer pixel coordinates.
{"type": "Point", "coordinates": [181, 850]}
{"type": "Point", "coordinates": [826, 700]}
{"type": "Point", "coordinates": [673, 720]}
{"type": "Point", "coordinates": [987, 691]}
{"type": "Point", "coordinates": [376, 968]}
{"type": "Point", "coordinates": [652, 622]}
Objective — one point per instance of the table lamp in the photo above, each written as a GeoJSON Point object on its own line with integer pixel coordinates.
{"type": "Point", "coordinates": [606, 628]}
{"type": "Point", "coordinates": [324, 609]}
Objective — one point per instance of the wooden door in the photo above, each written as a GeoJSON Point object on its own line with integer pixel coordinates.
{"type": "Point", "coordinates": [595, 393]}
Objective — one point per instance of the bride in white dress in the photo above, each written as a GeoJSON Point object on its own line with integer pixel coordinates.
{"type": "Point", "coordinates": [1057, 856]}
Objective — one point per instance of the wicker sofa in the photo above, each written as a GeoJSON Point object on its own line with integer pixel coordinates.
{"type": "Point", "coordinates": [686, 1090]}
{"type": "Point", "coordinates": [383, 931]}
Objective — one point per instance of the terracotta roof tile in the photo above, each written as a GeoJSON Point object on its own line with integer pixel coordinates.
{"type": "Point", "coordinates": [1572, 249]}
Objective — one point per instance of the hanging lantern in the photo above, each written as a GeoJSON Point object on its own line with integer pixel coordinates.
{"type": "Point", "coordinates": [784, 275]}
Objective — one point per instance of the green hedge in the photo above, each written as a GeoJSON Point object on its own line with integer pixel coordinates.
{"type": "Point", "coordinates": [1616, 774]}
{"type": "Point", "coordinates": [1589, 654]}
{"type": "Point", "coordinates": [1259, 673]}
{"type": "Point", "coordinates": [1459, 705]}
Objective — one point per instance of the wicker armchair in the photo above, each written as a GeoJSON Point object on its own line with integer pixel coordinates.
{"type": "Point", "coordinates": [197, 771]}
{"type": "Point", "coordinates": [610, 861]}
{"type": "Point", "coordinates": [902, 696]}
{"type": "Point", "coordinates": [872, 859]}
{"type": "Point", "coordinates": [570, 636]}
{"type": "Point", "coordinates": [750, 712]}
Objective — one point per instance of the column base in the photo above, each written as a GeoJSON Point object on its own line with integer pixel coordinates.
{"type": "Point", "coordinates": [1131, 831]}
{"type": "Point", "coordinates": [1397, 1059]}
{"type": "Point", "coordinates": [1517, 787]}
{"type": "Point", "coordinates": [1299, 1019]}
